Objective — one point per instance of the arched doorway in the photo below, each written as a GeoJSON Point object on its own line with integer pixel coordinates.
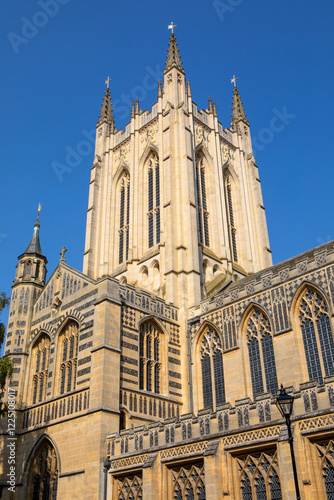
{"type": "Point", "coordinates": [43, 473]}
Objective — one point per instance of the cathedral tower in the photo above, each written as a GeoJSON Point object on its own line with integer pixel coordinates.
{"type": "Point", "coordinates": [175, 203]}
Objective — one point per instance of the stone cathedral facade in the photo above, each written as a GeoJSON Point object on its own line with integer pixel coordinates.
{"type": "Point", "coordinates": [166, 353]}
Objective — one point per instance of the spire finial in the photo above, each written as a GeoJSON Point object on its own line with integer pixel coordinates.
{"type": "Point", "coordinates": [210, 105]}
{"type": "Point", "coordinates": [62, 254]}
{"type": "Point", "coordinates": [189, 89]}
{"type": "Point", "coordinates": [172, 26]}
{"type": "Point", "coordinates": [137, 105]}
{"type": "Point", "coordinates": [214, 108]}
{"type": "Point", "coordinates": [234, 79]}
{"type": "Point", "coordinates": [38, 211]}
{"type": "Point", "coordinates": [133, 109]}
{"type": "Point", "coordinates": [159, 89]}
{"type": "Point", "coordinates": [173, 56]}
{"type": "Point", "coordinates": [107, 81]}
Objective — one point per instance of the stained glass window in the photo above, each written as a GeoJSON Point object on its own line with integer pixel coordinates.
{"type": "Point", "coordinates": [68, 345]}
{"type": "Point", "coordinates": [261, 353]}
{"type": "Point", "coordinates": [317, 335]}
{"type": "Point", "coordinates": [259, 476]}
{"type": "Point", "coordinates": [40, 357]}
{"type": "Point", "coordinates": [212, 369]}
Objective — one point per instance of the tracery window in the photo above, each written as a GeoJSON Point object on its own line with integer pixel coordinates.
{"type": "Point", "coordinates": [203, 214]}
{"type": "Point", "coordinates": [68, 353]}
{"type": "Point", "coordinates": [259, 476]}
{"type": "Point", "coordinates": [149, 357]}
{"type": "Point", "coordinates": [40, 357]}
{"type": "Point", "coordinates": [130, 488]}
{"type": "Point", "coordinates": [43, 475]}
{"type": "Point", "coordinates": [317, 335]}
{"type": "Point", "coordinates": [188, 482]}
{"type": "Point", "coordinates": [124, 218]}
{"type": "Point", "coordinates": [230, 219]}
{"type": "Point", "coordinates": [212, 369]}
{"type": "Point", "coordinates": [326, 453]}
{"type": "Point", "coordinates": [153, 213]}
{"type": "Point", "coordinates": [261, 353]}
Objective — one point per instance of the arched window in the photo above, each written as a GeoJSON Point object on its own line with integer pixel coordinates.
{"type": "Point", "coordinates": [124, 218]}
{"type": "Point", "coordinates": [130, 488]}
{"type": "Point", "coordinates": [326, 453]}
{"type": "Point", "coordinates": [189, 482]}
{"type": "Point", "coordinates": [149, 357]}
{"type": "Point", "coordinates": [153, 213]}
{"type": "Point", "coordinates": [230, 217]}
{"type": "Point", "coordinates": [40, 364]}
{"type": "Point", "coordinates": [261, 353]}
{"type": "Point", "coordinates": [43, 474]}
{"type": "Point", "coordinates": [203, 214]}
{"type": "Point", "coordinates": [67, 356]}
{"type": "Point", "coordinates": [259, 476]}
{"type": "Point", "coordinates": [317, 335]}
{"type": "Point", "coordinates": [27, 268]}
{"type": "Point", "coordinates": [212, 369]}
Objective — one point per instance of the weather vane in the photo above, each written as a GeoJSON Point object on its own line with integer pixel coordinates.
{"type": "Point", "coordinates": [172, 26]}
{"type": "Point", "coordinates": [38, 210]}
{"type": "Point", "coordinates": [107, 82]}
{"type": "Point", "coordinates": [234, 79]}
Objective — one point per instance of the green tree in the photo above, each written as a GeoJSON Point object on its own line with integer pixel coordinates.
{"type": "Point", "coordinates": [6, 364]}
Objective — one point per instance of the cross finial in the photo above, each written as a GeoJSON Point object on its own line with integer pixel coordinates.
{"type": "Point", "coordinates": [234, 79]}
{"type": "Point", "coordinates": [38, 210]}
{"type": "Point", "coordinates": [107, 82]}
{"type": "Point", "coordinates": [62, 253]}
{"type": "Point", "coordinates": [172, 26]}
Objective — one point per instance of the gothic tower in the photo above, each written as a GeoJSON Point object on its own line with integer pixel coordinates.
{"type": "Point", "coordinates": [175, 203]}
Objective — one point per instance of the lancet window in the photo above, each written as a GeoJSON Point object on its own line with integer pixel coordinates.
{"type": "Point", "coordinates": [212, 369]}
{"type": "Point", "coordinates": [326, 453]}
{"type": "Point", "coordinates": [124, 218]}
{"type": "Point", "coordinates": [43, 475]}
{"type": "Point", "coordinates": [317, 335]}
{"type": "Point", "coordinates": [261, 353]}
{"type": "Point", "coordinates": [153, 213]}
{"type": "Point", "coordinates": [188, 482]}
{"type": "Point", "coordinates": [259, 476]}
{"type": "Point", "coordinates": [203, 214]}
{"type": "Point", "coordinates": [149, 357]}
{"type": "Point", "coordinates": [40, 357]}
{"type": "Point", "coordinates": [68, 353]}
{"type": "Point", "coordinates": [130, 488]}
{"type": "Point", "coordinates": [230, 219]}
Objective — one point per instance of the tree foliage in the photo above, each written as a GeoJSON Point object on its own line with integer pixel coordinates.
{"type": "Point", "coordinates": [6, 364]}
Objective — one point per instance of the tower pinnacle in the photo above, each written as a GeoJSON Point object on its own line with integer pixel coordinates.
{"type": "Point", "coordinates": [106, 115]}
{"type": "Point", "coordinates": [238, 112]}
{"type": "Point", "coordinates": [173, 56]}
{"type": "Point", "coordinates": [34, 247]}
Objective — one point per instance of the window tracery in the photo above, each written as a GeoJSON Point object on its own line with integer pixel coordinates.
{"type": "Point", "coordinates": [124, 218]}
{"type": "Point", "coordinates": [317, 335]}
{"type": "Point", "coordinates": [130, 488]}
{"type": "Point", "coordinates": [230, 218]}
{"type": "Point", "coordinates": [68, 352]}
{"type": "Point", "coordinates": [259, 476]}
{"type": "Point", "coordinates": [261, 353]}
{"type": "Point", "coordinates": [149, 357]}
{"type": "Point", "coordinates": [153, 213]}
{"type": "Point", "coordinates": [203, 214]}
{"type": "Point", "coordinates": [43, 474]}
{"type": "Point", "coordinates": [326, 453]}
{"type": "Point", "coordinates": [189, 482]}
{"type": "Point", "coordinates": [212, 369]}
{"type": "Point", "coordinates": [40, 356]}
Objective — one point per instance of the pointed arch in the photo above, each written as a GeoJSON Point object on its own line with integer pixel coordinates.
{"type": "Point", "coordinates": [152, 168]}
{"type": "Point", "coordinates": [312, 316]}
{"type": "Point", "coordinates": [40, 351]}
{"type": "Point", "coordinates": [230, 194]}
{"type": "Point", "coordinates": [67, 353]}
{"type": "Point", "coordinates": [42, 470]}
{"type": "Point", "coordinates": [123, 197]}
{"type": "Point", "coordinates": [151, 355]}
{"type": "Point", "coordinates": [210, 381]}
{"type": "Point", "coordinates": [201, 197]}
{"type": "Point", "coordinates": [258, 333]}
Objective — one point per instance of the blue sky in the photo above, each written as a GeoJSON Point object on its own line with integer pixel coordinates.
{"type": "Point", "coordinates": [56, 55]}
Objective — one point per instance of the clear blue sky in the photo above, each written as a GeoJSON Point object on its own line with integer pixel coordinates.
{"type": "Point", "coordinates": [52, 86]}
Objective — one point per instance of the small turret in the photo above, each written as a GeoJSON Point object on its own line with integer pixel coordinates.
{"type": "Point", "coordinates": [173, 56]}
{"type": "Point", "coordinates": [106, 115]}
{"type": "Point", "coordinates": [238, 112]}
